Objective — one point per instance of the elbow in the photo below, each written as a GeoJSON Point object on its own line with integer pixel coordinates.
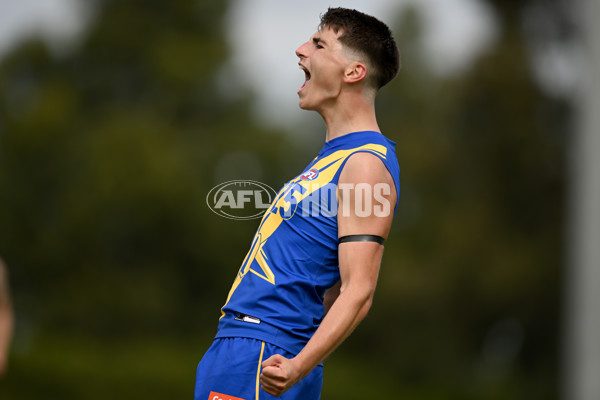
{"type": "Point", "coordinates": [364, 306]}
{"type": "Point", "coordinates": [363, 297]}
{"type": "Point", "coordinates": [367, 303]}
{"type": "Point", "coordinates": [368, 293]}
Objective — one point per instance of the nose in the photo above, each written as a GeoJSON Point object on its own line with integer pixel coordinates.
{"type": "Point", "coordinates": [301, 51]}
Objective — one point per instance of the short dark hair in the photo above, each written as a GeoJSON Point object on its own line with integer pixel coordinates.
{"type": "Point", "coordinates": [368, 36]}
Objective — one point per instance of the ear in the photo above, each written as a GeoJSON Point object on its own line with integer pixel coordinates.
{"type": "Point", "coordinates": [355, 72]}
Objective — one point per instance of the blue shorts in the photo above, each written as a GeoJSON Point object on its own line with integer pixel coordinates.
{"type": "Point", "coordinates": [231, 367]}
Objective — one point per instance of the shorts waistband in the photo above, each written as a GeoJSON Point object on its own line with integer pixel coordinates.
{"type": "Point", "coordinates": [234, 325]}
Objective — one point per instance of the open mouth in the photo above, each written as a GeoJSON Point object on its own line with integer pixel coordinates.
{"type": "Point", "coordinates": [306, 75]}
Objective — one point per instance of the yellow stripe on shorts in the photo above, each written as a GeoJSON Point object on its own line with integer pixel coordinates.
{"type": "Point", "coordinates": [262, 350]}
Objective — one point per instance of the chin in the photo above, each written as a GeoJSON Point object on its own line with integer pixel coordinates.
{"type": "Point", "coordinates": [305, 105]}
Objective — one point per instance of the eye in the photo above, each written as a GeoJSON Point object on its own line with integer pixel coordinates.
{"type": "Point", "coordinates": [318, 46]}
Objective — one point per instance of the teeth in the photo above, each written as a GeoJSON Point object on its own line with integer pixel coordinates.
{"type": "Point", "coordinates": [305, 72]}
{"type": "Point", "coordinates": [303, 68]}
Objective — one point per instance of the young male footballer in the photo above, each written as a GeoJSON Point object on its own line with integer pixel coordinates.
{"type": "Point", "coordinates": [311, 271]}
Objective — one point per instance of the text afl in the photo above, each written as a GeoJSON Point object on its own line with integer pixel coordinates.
{"type": "Point", "coordinates": [240, 199]}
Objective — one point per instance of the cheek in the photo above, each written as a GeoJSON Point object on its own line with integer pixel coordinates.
{"type": "Point", "coordinates": [329, 83]}
{"type": "Point", "coordinates": [328, 79]}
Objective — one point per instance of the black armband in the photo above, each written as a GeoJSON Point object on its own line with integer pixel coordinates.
{"type": "Point", "coordinates": [362, 238]}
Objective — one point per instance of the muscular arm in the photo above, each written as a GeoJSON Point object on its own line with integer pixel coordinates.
{"type": "Point", "coordinates": [359, 268]}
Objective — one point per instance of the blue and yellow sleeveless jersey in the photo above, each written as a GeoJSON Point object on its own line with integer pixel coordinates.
{"type": "Point", "coordinates": [277, 295]}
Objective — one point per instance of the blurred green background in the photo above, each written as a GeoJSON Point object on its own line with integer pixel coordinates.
{"type": "Point", "coordinates": [119, 269]}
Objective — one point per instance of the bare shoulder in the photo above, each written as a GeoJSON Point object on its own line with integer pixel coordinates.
{"type": "Point", "coordinates": [364, 167]}
{"type": "Point", "coordinates": [366, 196]}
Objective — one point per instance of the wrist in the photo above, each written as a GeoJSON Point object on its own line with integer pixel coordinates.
{"type": "Point", "coordinates": [301, 366]}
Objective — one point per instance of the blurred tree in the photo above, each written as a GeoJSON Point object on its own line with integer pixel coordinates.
{"type": "Point", "coordinates": [106, 157]}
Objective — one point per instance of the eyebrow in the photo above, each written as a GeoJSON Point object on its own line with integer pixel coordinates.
{"type": "Point", "coordinates": [317, 40]}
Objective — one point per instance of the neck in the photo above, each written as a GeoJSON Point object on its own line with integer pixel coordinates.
{"type": "Point", "coordinates": [351, 115]}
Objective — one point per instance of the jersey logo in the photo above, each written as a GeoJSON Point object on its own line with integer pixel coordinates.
{"type": "Point", "coordinates": [220, 396]}
{"type": "Point", "coordinates": [310, 175]}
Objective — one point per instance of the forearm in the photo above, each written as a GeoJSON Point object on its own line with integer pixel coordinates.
{"type": "Point", "coordinates": [350, 308]}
